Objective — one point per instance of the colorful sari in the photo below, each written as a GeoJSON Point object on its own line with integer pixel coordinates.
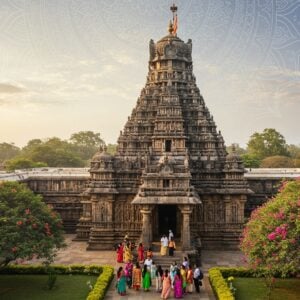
{"type": "Point", "coordinates": [127, 254]}
{"type": "Point", "coordinates": [189, 281]}
{"type": "Point", "coordinates": [120, 253]}
{"type": "Point", "coordinates": [121, 285]}
{"type": "Point", "coordinates": [166, 289]}
{"type": "Point", "coordinates": [146, 281]}
{"type": "Point", "coordinates": [183, 275]}
{"type": "Point", "coordinates": [141, 253]}
{"type": "Point", "coordinates": [177, 287]}
{"type": "Point", "coordinates": [136, 278]}
{"type": "Point", "coordinates": [128, 273]}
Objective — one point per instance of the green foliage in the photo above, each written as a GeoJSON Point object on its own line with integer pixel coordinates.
{"type": "Point", "coordinates": [250, 161]}
{"type": "Point", "coordinates": [219, 284]}
{"type": "Point", "coordinates": [277, 161]}
{"type": "Point", "coordinates": [102, 284]}
{"type": "Point", "coordinates": [271, 237]}
{"type": "Point", "coordinates": [112, 149]}
{"type": "Point", "coordinates": [294, 151]}
{"type": "Point", "coordinates": [268, 143]}
{"type": "Point", "coordinates": [106, 274]}
{"type": "Point", "coordinates": [8, 151]}
{"type": "Point", "coordinates": [86, 143]}
{"type": "Point", "coordinates": [28, 227]}
{"type": "Point", "coordinates": [23, 163]}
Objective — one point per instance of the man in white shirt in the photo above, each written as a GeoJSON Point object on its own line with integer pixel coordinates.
{"type": "Point", "coordinates": [148, 263]}
{"type": "Point", "coordinates": [171, 235]}
{"type": "Point", "coordinates": [164, 245]}
{"type": "Point", "coordinates": [198, 275]}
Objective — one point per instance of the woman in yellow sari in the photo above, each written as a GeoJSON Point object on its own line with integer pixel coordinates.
{"type": "Point", "coordinates": [127, 253]}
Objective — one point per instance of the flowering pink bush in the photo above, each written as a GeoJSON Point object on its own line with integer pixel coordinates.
{"type": "Point", "coordinates": [271, 238]}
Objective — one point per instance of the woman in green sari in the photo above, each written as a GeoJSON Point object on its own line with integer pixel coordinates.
{"type": "Point", "coordinates": [121, 284]}
{"type": "Point", "coordinates": [146, 278]}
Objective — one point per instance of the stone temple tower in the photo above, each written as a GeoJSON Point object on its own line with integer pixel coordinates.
{"type": "Point", "coordinates": [171, 169]}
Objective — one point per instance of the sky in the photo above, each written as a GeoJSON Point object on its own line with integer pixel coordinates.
{"type": "Point", "coordinates": [73, 65]}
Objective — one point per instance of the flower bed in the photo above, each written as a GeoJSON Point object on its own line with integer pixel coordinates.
{"type": "Point", "coordinates": [97, 293]}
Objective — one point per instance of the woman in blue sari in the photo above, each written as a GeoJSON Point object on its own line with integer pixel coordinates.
{"type": "Point", "coordinates": [121, 283]}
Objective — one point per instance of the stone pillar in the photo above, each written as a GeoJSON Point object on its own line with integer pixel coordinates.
{"type": "Point", "coordinates": [146, 237]}
{"type": "Point", "coordinates": [186, 211]}
{"type": "Point", "coordinates": [227, 202]}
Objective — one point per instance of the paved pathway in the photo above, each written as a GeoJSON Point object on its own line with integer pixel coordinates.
{"type": "Point", "coordinates": [76, 253]}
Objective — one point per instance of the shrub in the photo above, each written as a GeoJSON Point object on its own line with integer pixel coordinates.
{"type": "Point", "coordinates": [219, 285]}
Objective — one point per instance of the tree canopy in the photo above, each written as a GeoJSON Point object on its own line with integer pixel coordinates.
{"type": "Point", "coordinates": [28, 227]}
{"type": "Point", "coordinates": [268, 143]}
{"type": "Point", "coordinates": [8, 151]}
{"type": "Point", "coordinates": [271, 237]}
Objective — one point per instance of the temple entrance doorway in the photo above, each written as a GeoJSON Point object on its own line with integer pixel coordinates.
{"type": "Point", "coordinates": [166, 217]}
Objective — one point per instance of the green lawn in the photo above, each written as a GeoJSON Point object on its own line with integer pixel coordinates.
{"type": "Point", "coordinates": [255, 289]}
{"type": "Point", "coordinates": [32, 287]}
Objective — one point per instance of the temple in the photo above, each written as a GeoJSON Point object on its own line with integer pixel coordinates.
{"type": "Point", "coordinates": [171, 169]}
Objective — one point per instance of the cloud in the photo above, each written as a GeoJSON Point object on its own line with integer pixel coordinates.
{"type": "Point", "coordinates": [7, 88]}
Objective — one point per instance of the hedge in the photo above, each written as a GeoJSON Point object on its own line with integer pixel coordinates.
{"type": "Point", "coordinates": [106, 273]}
{"type": "Point", "coordinates": [219, 284]}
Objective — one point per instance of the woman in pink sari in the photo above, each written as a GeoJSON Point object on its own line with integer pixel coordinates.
{"type": "Point", "coordinates": [166, 285]}
{"type": "Point", "coordinates": [178, 285]}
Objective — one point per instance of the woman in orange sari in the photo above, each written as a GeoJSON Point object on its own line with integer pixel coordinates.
{"type": "Point", "coordinates": [166, 285]}
{"type": "Point", "coordinates": [136, 277]}
{"type": "Point", "coordinates": [189, 280]}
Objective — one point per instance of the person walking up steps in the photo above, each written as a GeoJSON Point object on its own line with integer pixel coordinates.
{"type": "Point", "coordinates": [159, 275]}
{"type": "Point", "coordinates": [164, 245]}
{"type": "Point", "coordinates": [172, 247]}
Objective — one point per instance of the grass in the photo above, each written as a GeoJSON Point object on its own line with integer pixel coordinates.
{"type": "Point", "coordinates": [255, 289]}
{"type": "Point", "coordinates": [17, 287]}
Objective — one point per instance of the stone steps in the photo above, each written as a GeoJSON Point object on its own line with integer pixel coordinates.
{"type": "Point", "coordinates": [165, 261]}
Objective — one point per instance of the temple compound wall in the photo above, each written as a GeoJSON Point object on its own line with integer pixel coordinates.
{"type": "Point", "coordinates": [63, 193]}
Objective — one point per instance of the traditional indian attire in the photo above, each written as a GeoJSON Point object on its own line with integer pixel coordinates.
{"type": "Point", "coordinates": [141, 253]}
{"type": "Point", "coordinates": [183, 275]}
{"type": "Point", "coordinates": [166, 287]}
{"type": "Point", "coordinates": [153, 269]}
{"type": "Point", "coordinates": [173, 270]}
{"type": "Point", "coordinates": [136, 278]}
{"type": "Point", "coordinates": [127, 254]}
{"type": "Point", "coordinates": [158, 280]}
{"type": "Point", "coordinates": [121, 284]}
{"type": "Point", "coordinates": [146, 280]}
{"type": "Point", "coordinates": [178, 287]}
{"type": "Point", "coordinates": [164, 246]}
{"type": "Point", "coordinates": [128, 273]}
{"type": "Point", "coordinates": [120, 252]}
{"type": "Point", "coordinates": [189, 281]}
{"type": "Point", "coordinates": [172, 247]}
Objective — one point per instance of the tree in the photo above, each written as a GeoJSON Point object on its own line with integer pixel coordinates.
{"type": "Point", "coordinates": [268, 143]}
{"type": "Point", "coordinates": [28, 227]}
{"type": "Point", "coordinates": [294, 151]}
{"type": "Point", "coordinates": [277, 161]}
{"type": "Point", "coordinates": [271, 237]}
{"type": "Point", "coordinates": [23, 163]}
{"type": "Point", "coordinates": [8, 151]}
{"type": "Point", "coordinates": [86, 143]}
{"type": "Point", "coordinates": [112, 149]}
{"type": "Point", "coordinates": [250, 161]}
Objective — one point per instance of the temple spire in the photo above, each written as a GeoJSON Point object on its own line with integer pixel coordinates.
{"type": "Point", "coordinates": [173, 8]}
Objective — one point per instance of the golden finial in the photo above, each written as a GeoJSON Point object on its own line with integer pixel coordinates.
{"type": "Point", "coordinates": [170, 29]}
{"type": "Point", "coordinates": [173, 8]}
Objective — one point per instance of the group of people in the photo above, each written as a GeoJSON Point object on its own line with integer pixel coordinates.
{"type": "Point", "coordinates": [167, 243]}
{"type": "Point", "coordinates": [181, 278]}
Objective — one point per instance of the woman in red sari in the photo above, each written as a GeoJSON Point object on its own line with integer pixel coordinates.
{"type": "Point", "coordinates": [120, 252]}
{"type": "Point", "coordinates": [141, 252]}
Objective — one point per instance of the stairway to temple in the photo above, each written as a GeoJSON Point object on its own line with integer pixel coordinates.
{"type": "Point", "coordinates": [165, 261]}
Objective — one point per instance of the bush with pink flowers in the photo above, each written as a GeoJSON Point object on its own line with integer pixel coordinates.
{"type": "Point", "coordinates": [271, 238]}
